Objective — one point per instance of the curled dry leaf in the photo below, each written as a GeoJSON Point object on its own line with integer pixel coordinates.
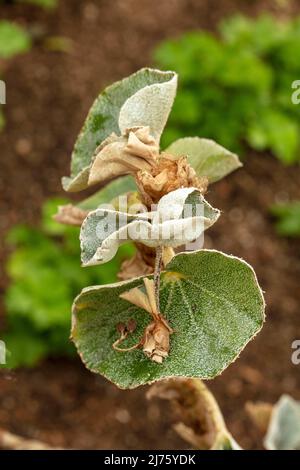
{"type": "Point", "coordinates": [135, 151]}
{"type": "Point", "coordinates": [156, 338]}
{"type": "Point", "coordinates": [70, 215]}
{"type": "Point", "coordinates": [134, 267]}
{"type": "Point", "coordinates": [181, 216]}
{"type": "Point", "coordinates": [156, 341]}
{"type": "Point", "coordinates": [201, 421]}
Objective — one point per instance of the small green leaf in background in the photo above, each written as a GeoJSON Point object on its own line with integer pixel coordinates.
{"type": "Point", "coordinates": [235, 88]}
{"type": "Point", "coordinates": [211, 300]}
{"type": "Point", "coordinates": [58, 44]}
{"type": "Point", "coordinates": [287, 218]}
{"type": "Point", "coordinates": [206, 157]}
{"type": "Point", "coordinates": [276, 131]}
{"type": "Point", "coordinates": [45, 275]}
{"type": "Point", "coordinates": [13, 40]}
{"type": "Point", "coordinates": [24, 347]}
{"type": "Point", "coordinates": [47, 4]}
{"type": "Point", "coordinates": [284, 428]}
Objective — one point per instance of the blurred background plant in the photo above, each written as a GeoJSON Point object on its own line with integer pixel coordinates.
{"type": "Point", "coordinates": [236, 88]}
{"type": "Point", "coordinates": [47, 4]}
{"type": "Point", "coordinates": [235, 84]}
{"type": "Point", "coordinates": [45, 276]}
{"type": "Point", "coordinates": [287, 217]}
{"type": "Point", "coordinates": [14, 40]}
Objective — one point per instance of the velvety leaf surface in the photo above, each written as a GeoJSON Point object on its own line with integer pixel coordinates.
{"type": "Point", "coordinates": [212, 301]}
{"type": "Point", "coordinates": [103, 120]}
{"type": "Point", "coordinates": [150, 106]}
{"type": "Point", "coordinates": [206, 156]}
{"type": "Point", "coordinates": [181, 217]}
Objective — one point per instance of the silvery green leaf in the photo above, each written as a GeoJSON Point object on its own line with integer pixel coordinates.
{"type": "Point", "coordinates": [181, 217]}
{"type": "Point", "coordinates": [103, 120]}
{"type": "Point", "coordinates": [171, 205]}
{"type": "Point", "coordinates": [206, 157]}
{"type": "Point", "coordinates": [103, 231]}
{"type": "Point", "coordinates": [150, 106]}
{"type": "Point", "coordinates": [112, 190]}
{"type": "Point", "coordinates": [211, 300]}
{"type": "Point", "coordinates": [284, 428]}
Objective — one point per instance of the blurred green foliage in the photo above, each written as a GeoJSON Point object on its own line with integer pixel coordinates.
{"type": "Point", "coordinates": [287, 218]}
{"type": "Point", "coordinates": [46, 275]}
{"type": "Point", "coordinates": [236, 88]}
{"type": "Point", "coordinates": [13, 40]}
{"type": "Point", "coordinates": [47, 4]}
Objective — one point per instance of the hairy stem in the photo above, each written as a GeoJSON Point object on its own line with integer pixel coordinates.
{"type": "Point", "coordinates": [156, 276]}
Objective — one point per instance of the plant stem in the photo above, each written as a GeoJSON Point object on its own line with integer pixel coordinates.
{"type": "Point", "coordinates": [202, 423]}
{"type": "Point", "coordinates": [156, 276]}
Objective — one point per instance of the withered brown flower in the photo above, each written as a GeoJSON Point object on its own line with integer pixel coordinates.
{"type": "Point", "coordinates": [168, 174]}
{"type": "Point", "coordinates": [156, 338]}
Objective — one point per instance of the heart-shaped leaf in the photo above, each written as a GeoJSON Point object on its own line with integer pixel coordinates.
{"type": "Point", "coordinates": [181, 217]}
{"type": "Point", "coordinates": [206, 157]}
{"type": "Point", "coordinates": [211, 300]}
{"type": "Point", "coordinates": [103, 117]}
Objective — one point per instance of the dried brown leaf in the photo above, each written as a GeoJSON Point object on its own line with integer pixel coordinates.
{"type": "Point", "coordinates": [70, 215]}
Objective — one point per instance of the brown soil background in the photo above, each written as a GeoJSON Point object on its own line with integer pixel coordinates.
{"type": "Point", "coordinates": [49, 94]}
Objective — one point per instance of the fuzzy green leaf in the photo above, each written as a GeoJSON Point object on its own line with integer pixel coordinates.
{"type": "Point", "coordinates": [119, 105]}
{"type": "Point", "coordinates": [150, 106]}
{"type": "Point", "coordinates": [206, 156]}
{"type": "Point", "coordinates": [181, 216]}
{"type": "Point", "coordinates": [211, 300]}
{"type": "Point", "coordinates": [13, 40]}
